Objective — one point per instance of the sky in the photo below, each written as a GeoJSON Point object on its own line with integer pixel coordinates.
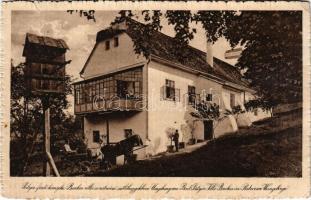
{"type": "Point", "coordinates": [80, 34]}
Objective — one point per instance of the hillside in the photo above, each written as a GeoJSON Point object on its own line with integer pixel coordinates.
{"type": "Point", "coordinates": [262, 150]}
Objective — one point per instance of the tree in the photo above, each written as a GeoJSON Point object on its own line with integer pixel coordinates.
{"type": "Point", "coordinates": [272, 55]}
{"type": "Point", "coordinates": [27, 117]}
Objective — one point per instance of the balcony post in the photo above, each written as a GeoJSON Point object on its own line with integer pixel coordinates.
{"type": "Point", "coordinates": [107, 126]}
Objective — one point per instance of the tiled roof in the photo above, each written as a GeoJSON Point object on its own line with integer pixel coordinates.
{"type": "Point", "coordinates": [163, 46]}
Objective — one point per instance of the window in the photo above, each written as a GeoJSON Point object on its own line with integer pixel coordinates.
{"type": "Point", "coordinates": [45, 84]}
{"type": "Point", "coordinates": [116, 41]}
{"type": "Point", "coordinates": [169, 89]}
{"type": "Point", "coordinates": [82, 95]}
{"type": "Point", "coordinates": [121, 89]}
{"type": "Point", "coordinates": [107, 45]}
{"type": "Point", "coordinates": [128, 89]}
{"type": "Point", "coordinates": [191, 95]}
{"type": "Point", "coordinates": [125, 84]}
{"type": "Point", "coordinates": [209, 97]}
{"type": "Point", "coordinates": [36, 68]}
{"type": "Point", "coordinates": [77, 98]}
{"type": "Point", "coordinates": [89, 93]}
{"type": "Point", "coordinates": [96, 137]}
{"type": "Point", "coordinates": [232, 100]}
{"type": "Point", "coordinates": [137, 88]}
{"type": "Point", "coordinates": [169, 92]}
{"type": "Point", "coordinates": [47, 69]}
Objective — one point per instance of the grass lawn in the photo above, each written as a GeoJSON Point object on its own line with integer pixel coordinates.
{"type": "Point", "coordinates": [252, 152]}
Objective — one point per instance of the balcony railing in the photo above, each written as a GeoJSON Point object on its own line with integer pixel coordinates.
{"type": "Point", "coordinates": [109, 105]}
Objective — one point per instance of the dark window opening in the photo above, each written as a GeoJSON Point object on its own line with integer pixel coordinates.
{"type": "Point", "coordinates": [191, 95]}
{"type": "Point", "coordinates": [170, 89]}
{"type": "Point", "coordinates": [209, 97]}
{"type": "Point", "coordinates": [116, 41]}
{"type": "Point", "coordinates": [45, 84]}
{"type": "Point", "coordinates": [128, 89]}
{"type": "Point", "coordinates": [107, 45]}
{"type": "Point", "coordinates": [96, 137]}
{"type": "Point", "coordinates": [44, 70]}
{"type": "Point", "coordinates": [232, 100]}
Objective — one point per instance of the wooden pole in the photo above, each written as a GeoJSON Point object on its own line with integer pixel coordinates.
{"type": "Point", "coordinates": [47, 145]}
{"type": "Point", "coordinates": [52, 163]}
{"type": "Point", "coordinates": [107, 127]}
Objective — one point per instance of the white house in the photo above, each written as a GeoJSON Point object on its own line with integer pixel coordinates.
{"type": "Point", "coordinates": [126, 92]}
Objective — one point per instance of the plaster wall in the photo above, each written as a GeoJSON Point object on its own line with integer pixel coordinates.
{"type": "Point", "coordinates": [117, 123]}
{"type": "Point", "coordinates": [103, 61]}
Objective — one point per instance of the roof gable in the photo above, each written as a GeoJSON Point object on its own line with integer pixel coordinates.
{"type": "Point", "coordinates": [103, 60]}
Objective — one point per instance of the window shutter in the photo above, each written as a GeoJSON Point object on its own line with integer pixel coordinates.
{"type": "Point", "coordinates": [197, 98]}
{"type": "Point", "coordinates": [177, 95]}
{"type": "Point", "coordinates": [172, 93]}
{"type": "Point", "coordinates": [162, 91]}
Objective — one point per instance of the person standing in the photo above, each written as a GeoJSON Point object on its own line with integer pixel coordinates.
{"type": "Point", "coordinates": [176, 140]}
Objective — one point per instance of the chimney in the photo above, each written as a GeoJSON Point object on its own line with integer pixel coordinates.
{"type": "Point", "coordinates": [209, 53]}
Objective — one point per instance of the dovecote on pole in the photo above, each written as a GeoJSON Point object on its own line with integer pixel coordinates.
{"type": "Point", "coordinates": [45, 64]}
{"type": "Point", "coordinates": [45, 75]}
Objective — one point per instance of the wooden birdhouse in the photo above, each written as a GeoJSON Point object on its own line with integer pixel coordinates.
{"type": "Point", "coordinates": [45, 64]}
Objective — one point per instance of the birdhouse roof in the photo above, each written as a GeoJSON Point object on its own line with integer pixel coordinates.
{"type": "Point", "coordinates": [46, 41]}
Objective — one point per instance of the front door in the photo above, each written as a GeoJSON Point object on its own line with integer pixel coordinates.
{"type": "Point", "coordinates": [208, 129]}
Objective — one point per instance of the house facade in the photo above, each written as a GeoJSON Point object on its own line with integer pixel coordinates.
{"type": "Point", "coordinates": [124, 92]}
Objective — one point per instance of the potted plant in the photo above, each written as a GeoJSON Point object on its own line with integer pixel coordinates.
{"type": "Point", "coordinates": [170, 134]}
{"type": "Point", "coordinates": [192, 141]}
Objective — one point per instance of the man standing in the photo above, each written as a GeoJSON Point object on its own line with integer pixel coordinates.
{"type": "Point", "coordinates": [176, 140]}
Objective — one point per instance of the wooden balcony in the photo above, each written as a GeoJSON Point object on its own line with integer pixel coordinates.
{"type": "Point", "coordinates": [121, 91]}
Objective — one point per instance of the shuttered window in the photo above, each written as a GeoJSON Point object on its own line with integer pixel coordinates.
{"type": "Point", "coordinates": [191, 95]}
{"type": "Point", "coordinates": [170, 89]}
{"type": "Point", "coordinates": [169, 92]}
